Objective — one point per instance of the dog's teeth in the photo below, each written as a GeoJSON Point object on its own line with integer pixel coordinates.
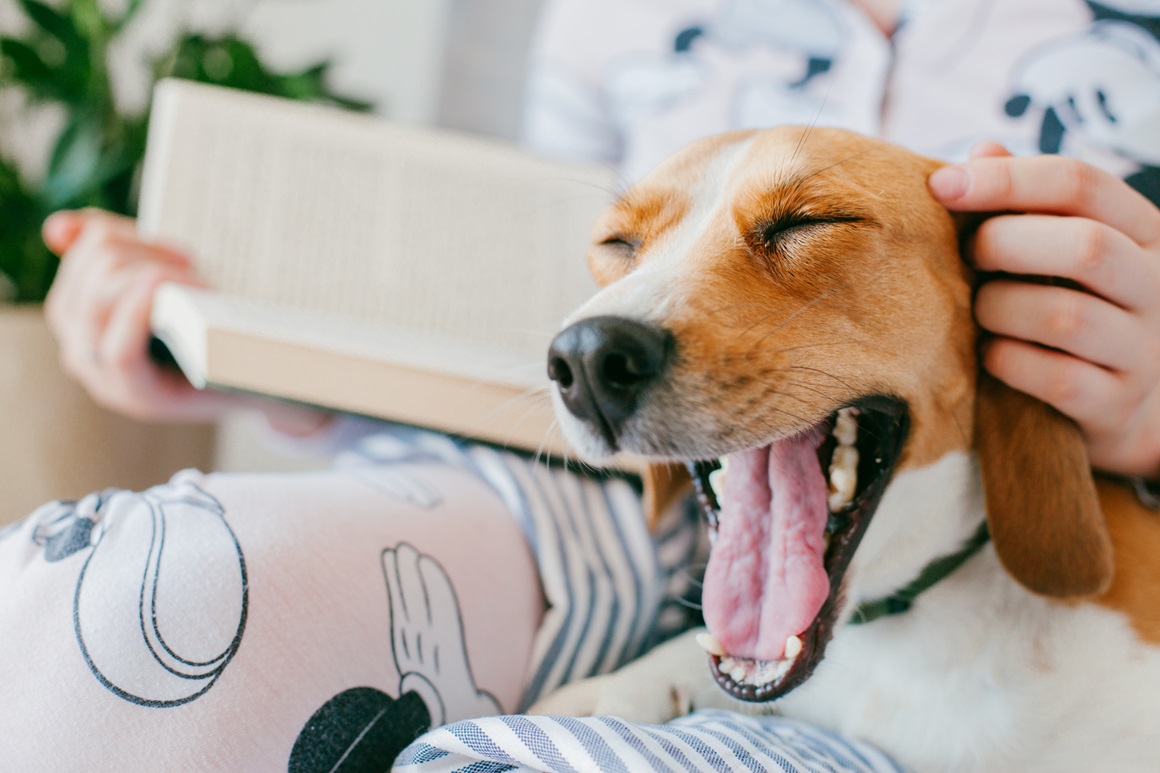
{"type": "Point", "coordinates": [843, 477]}
{"type": "Point", "coordinates": [738, 673]}
{"type": "Point", "coordinates": [845, 458]}
{"type": "Point", "coordinates": [717, 482]}
{"type": "Point", "coordinates": [717, 477]}
{"type": "Point", "coordinates": [766, 675]}
{"type": "Point", "coordinates": [711, 644]}
{"type": "Point", "coordinates": [793, 647]}
{"type": "Point", "coordinates": [842, 485]}
{"type": "Point", "coordinates": [846, 427]}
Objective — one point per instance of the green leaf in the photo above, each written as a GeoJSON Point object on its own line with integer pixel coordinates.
{"type": "Point", "coordinates": [65, 80]}
{"type": "Point", "coordinates": [90, 23]}
{"type": "Point", "coordinates": [127, 16]}
{"type": "Point", "coordinates": [23, 64]}
{"type": "Point", "coordinates": [25, 262]}
{"type": "Point", "coordinates": [52, 21]}
{"type": "Point", "coordinates": [74, 168]}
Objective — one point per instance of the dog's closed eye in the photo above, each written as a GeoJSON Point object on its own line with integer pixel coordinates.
{"type": "Point", "coordinates": [773, 234]}
{"type": "Point", "coordinates": [623, 246]}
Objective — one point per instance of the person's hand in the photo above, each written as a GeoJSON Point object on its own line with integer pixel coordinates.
{"type": "Point", "coordinates": [98, 310]}
{"type": "Point", "coordinates": [1092, 353]}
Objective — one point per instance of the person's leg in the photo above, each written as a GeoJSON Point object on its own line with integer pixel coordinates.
{"type": "Point", "coordinates": [261, 622]}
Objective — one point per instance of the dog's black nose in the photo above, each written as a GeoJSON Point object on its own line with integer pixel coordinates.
{"type": "Point", "coordinates": [603, 364]}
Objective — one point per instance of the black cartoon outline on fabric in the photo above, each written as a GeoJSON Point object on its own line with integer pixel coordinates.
{"type": "Point", "coordinates": [1088, 85]}
{"type": "Point", "coordinates": [144, 634]}
{"type": "Point", "coordinates": [808, 30]}
{"type": "Point", "coordinates": [364, 728]}
{"type": "Point", "coordinates": [65, 527]}
{"type": "Point", "coordinates": [427, 637]}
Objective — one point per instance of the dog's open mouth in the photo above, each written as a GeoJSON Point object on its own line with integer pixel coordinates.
{"type": "Point", "coordinates": [785, 520]}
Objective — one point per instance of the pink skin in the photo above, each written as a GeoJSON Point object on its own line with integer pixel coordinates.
{"type": "Point", "coordinates": [766, 580]}
{"type": "Point", "coordinates": [98, 310]}
{"type": "Point", "coordinates": [1093, 354]}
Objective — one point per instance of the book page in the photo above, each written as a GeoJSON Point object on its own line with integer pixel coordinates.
{"type": "Point", "coordinates": [346, 214]}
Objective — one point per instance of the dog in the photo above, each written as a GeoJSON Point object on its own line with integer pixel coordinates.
{"type": "Point", "coordinates": [904, 550]}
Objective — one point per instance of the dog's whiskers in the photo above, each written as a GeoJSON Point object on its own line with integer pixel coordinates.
{"type": "Point", "coordinates": [804, 308]}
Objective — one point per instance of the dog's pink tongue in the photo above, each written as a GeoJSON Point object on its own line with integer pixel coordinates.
{"type": "Point", "coordinates": [766, 580]}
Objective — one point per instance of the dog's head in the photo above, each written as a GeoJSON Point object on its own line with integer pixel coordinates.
{"type": "Point", "coordinates": [793, 301]}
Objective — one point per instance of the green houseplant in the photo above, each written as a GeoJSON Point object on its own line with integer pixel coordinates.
{"type": "Point", "coordinates": [58, 443]}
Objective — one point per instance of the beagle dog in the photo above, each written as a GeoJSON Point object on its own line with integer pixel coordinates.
{"type": "Point", "coordinates": [904, 550]}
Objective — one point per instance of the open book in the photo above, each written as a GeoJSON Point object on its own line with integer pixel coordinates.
{"type": "Point", "coordinates": [405, 274]}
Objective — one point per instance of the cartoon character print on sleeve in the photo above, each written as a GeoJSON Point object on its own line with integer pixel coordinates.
{"type": "Point", "coordinates": [154, 638]}
{"type": "Point", "coordinates": [1100, 88]}
{"type": "Point", "coordinates": [808, 30]}
{"type": "Point", "coordinates": [364, 728]}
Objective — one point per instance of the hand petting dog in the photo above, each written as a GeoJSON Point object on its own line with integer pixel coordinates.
{"type": "Point", "coordinates": [1094, 355]}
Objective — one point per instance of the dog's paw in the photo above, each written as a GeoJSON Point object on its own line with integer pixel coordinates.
{"type": "Point", "coordinates": [667, 683]}
{"type": "Point", "coordinates": [613, 695]}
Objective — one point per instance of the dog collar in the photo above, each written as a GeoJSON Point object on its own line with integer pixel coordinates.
{"type": "Point", "coordinates": [934, 572]}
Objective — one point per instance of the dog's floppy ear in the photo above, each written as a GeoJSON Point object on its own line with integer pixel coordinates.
{"type": "Point", "coordinates": [1042, 506]}
{"type": "Point", "coordinates": [663, 484]}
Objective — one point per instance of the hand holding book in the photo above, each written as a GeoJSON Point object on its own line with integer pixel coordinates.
{"type": "Point", "coordinates": [99, 310]}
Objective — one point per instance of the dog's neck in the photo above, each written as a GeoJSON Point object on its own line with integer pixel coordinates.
{"type": "Point", "coordinates": [925, 513]}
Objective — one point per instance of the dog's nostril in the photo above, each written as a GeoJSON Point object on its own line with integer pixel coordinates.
{"type": "Point", "coordinates": [559, 372]}
{"type": "Point", "coordinates": [618, 371]}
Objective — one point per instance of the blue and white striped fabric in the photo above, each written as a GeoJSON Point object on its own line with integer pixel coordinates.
{"type": "Point", "coordinates": [614, 590]}
{"type": "Point", "coordinates": [710, 740]}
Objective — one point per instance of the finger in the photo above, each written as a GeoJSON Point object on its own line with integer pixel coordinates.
{"type": "Point", "coordinates": [104, 246]}
{"type": "Point", "coordinates": [1073, 321]}
{"type": "Point", "coordinates": [104, 232]}
{"type": "Point", "coordinates": [110, 283]}
{"type": "Point", "coordinates": [1087, 393]}
{"type": "Point", "coordinates": [61, 229]}
{"type": "Point", "coordinates": [127, 380]}
{"type": "Point", "coordinates": [1047, 185]}
{"type": "Point", "coordinates": [66, 229]}
{"type": "Point", "coordinates": [1097, 256]}
{"type": "Point", "coordinates": [989, 150]}
{"type": "Point", "coordinates": [124, 342]}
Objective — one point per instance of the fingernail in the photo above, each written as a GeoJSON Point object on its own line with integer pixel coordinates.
{"type": "Point", "coordinates": [950, 182]}
{"type": "Point", "coordinates": [57, 229]}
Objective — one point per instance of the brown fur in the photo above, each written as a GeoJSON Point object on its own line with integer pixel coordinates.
{"type": "Point", "coordinates": [1135, 537]}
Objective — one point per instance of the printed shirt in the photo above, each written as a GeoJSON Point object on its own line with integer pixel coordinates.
{"type": "Point", "coordinates": [630, 81]}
